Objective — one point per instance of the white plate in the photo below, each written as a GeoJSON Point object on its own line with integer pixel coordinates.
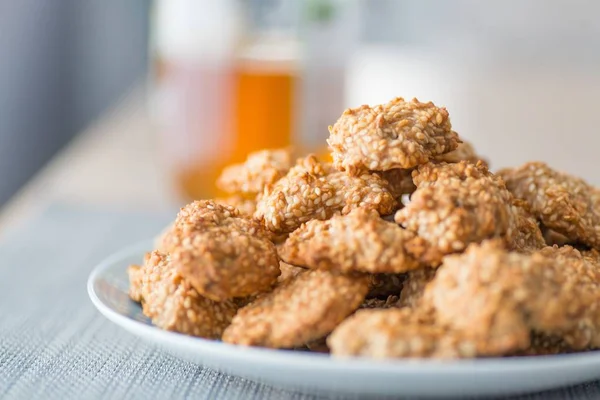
{"type": "Point", "coordinates": [107, 287]}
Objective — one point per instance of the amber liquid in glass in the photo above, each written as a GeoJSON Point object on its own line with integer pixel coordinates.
{"type": "Point", "coordinates": [261, 117]}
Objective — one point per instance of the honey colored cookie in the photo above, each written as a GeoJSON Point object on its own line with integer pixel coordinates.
{"type": "Point", "coordinates": [359, 241]}
{"type": "Point", "coordinates": [261, 169]}
{"type": "Point", "coordinates": [563, 203]}
{"type": "Point", "coordinates": [448, 215]}
{"type": "Point", "coordinates": [311, 190]}
{"type": "Point", "coordinates": [221, 254]}
{"type": "Point", "coordinates": [398, 333]}
{"type": "Point", "coordinates": [173, 304]}
{"type": "Point", "coordinates": [398, 134]}
{"type": "Point", "coordinates": [298, 311]}
{"type": "Point", "coordinates": [553, 292]}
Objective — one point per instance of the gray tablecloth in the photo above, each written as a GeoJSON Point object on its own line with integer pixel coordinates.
{"type": "Point", "coordinates": [54, 345]}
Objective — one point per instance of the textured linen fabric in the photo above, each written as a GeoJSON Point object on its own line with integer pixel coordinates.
{"type": "Point", "coordinates": [55, 345]}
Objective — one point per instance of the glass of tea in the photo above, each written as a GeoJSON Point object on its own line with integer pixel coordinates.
{"type": "Point", "coordinates": [224, 85]}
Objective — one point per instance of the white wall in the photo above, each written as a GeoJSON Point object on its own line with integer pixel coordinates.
{"type": "Point", "coordinates": [520, 79]}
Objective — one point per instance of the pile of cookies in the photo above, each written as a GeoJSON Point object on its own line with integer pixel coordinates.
{"type": "Point", "coordinates": [406, 245]}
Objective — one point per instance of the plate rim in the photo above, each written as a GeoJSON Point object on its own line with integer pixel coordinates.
{"type": "Point", "coordinates": [325, 362]}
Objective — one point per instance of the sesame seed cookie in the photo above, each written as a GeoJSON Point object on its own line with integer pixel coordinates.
{"type": "Point", "coordinates": [261, 169]}
{"type": "Point", "coordinates": [443, 173]}
{"type": "Point", "coordinates": [398, 333]}
{"type": "Point", "coordinates": [221, 254]}
{"type": "Point", "coordinates": [298, 311]}
{"type": "Point", "coordinates": [563, 203]}
{"type": "Point", "coordinates": [505, 296]}
{"type": "Point", "coordinates": [359, 241]}
{"type": "Point", "coordinates": [399, 134]}
{"type": "Point", "coordinates": [173, 304]}
{"type": "Point", "coordinates": [311, 190]}
{"type": "Point", "coordinates": [526, 234]}
{"type": "Point", "coordinates": [204, 215]}
{"type": "Point", "coordinates": [449, 215]}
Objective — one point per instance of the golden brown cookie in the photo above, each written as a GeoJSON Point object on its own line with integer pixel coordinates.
{"type": "Point", "coordinates": [359, 241]}
{"type": "Point", "coordinates": [222, 264]}
{"type": "Point", "coordinates": [441, 173]}
{"type": "Point", "coordinates": [480, 291]}
{"type": "Point", "coordinates": [397, 333]}
{"type": "Point", "coordinates": [525, 236]}
{"type": "Point", "coordinates": [204, 215]}
{"type": "Point", "coordinates": [221, 254]}
{"type": "Point", "coordinates": [449, 215]}
{"type": "Point", "coordinates": [311, 190]}
{"type": "Point", "coordinates": [261, 169]}
{"type": "Point", "coordinates": [504, 296]}
{"type": "Point", "coordinates": [563, 203]}
{"type": "Point", "coordinates": [399, 134]}
{"type": "Point", "coordinates": [172, 303]}
{"type": "Point", "coordinates": [298, 311]}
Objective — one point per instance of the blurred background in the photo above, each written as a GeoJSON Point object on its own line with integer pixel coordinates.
{"type": "Point", "coordinates": [213, 80]}
{"type": "Point", "coordinates": [62, 64]}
